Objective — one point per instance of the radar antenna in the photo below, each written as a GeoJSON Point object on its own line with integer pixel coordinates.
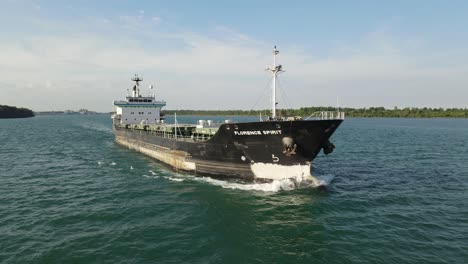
{"type": "Point", "coordinates": [137, 78]}
{"type": "Point", "coordinates": [136, 88]}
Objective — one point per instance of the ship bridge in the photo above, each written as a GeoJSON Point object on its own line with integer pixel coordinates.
{"type": "Point", "coordinates": [137, 109]}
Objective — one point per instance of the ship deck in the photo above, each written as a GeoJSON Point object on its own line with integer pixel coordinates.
{"type": "Point", "coordinates": [184, 132]}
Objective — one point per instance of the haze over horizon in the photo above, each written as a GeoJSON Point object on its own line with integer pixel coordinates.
{"type": "Point", "coordinates": [58, 55]}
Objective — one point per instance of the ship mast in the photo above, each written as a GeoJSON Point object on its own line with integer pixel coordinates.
{"type": "Point", "coordinates": [136, 88]}
{"type": "Point", "coordinates": [275, 71]}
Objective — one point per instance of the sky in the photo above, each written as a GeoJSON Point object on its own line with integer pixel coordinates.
{"type": "Point", "coordinates": [59, 55]}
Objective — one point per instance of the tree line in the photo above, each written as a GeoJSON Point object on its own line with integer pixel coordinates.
{"type": "Point", "coordinates": [408, 112]}
{"type": "Point", "coordinates": [14, 112]}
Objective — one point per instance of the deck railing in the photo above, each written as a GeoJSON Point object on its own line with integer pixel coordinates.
{"type": "Point", "coordinates": [327, 115]}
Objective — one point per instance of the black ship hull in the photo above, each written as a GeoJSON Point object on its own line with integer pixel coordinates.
{"type": "Point", "coordinates": [255, 150]}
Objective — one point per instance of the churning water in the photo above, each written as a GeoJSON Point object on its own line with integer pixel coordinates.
{"type": "Point", "coordinates": [395, 191]}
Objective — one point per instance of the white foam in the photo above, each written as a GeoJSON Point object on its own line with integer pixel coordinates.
{"type": "Point", "coordinates": [174, 179]}
{"type": "Point", "coordinates": [274, 186]}
{"type": "Point", "coordinates": [150, 177]}
{"type": "Point", "coordinates": [112, 163]}
{"type": "Point", "coordinates": [325, 180]}
{"type": "Point", "coordinates": [99, 163]}
{"type": "Point", "coordinates": [285, 184]}
{"type": "Point", "coordinates": [131, 167]}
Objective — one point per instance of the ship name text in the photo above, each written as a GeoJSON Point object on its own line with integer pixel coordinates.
{"type": "Point", "coordinates": [257, 132]}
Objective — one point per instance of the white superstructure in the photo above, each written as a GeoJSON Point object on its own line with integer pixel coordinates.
{"type": "Point", "coordinates": [137, 109]}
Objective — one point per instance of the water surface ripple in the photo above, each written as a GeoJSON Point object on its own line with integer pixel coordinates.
{"type": "Point", "coordinates": [69, 194]}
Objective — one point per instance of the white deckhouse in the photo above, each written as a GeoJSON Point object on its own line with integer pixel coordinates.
{"type": "Point", "coordinates": [137, 109]}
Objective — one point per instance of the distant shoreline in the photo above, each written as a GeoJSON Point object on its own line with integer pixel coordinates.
{"type": "Point", "coordinates": [371, 112]}
{"type": "Point", "coordinates": [7, 111]}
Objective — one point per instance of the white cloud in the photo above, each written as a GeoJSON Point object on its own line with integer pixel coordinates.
{"type": "Point", "coordinates": [192, 70]}
{"type": "Point", "coordinates": [156, 19]}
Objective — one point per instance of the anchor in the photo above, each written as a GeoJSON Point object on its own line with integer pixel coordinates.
{"type": "Point", "coordinates": [289, 146]}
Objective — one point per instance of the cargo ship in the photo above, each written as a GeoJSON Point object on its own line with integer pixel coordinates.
{"type": "Point", "coordinates": [272, 148]}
